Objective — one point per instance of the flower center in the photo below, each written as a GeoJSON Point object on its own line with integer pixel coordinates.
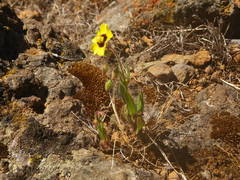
{"type": "Point", "coordinates": [104, 38]}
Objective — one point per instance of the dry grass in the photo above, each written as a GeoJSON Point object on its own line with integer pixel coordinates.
{"type": "Point", "coordinates": [182, 40]}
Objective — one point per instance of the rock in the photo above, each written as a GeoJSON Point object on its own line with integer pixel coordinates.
{"type": "Point", "coordinates": [37, 60]}
{"type": "Point", "coordinates": [31, 101]}
{"type": "Point", "coordinates": [118, 14]}
{"type": "Point", "coordinates": [85, 164]}
{"type": "Point", "coordinates": [200, 58]}
{"type": "Point", "coordinates": [217, 97]}
{"type": "Point", "coordinates": [208, 69]}
{"type": "Point", "coordinates": [23, 84]}
{"type": "Point", "coordinates": [140, 67]}
{"type": "Point", "coordinates": [115, 16]}
{"type": "Point", "coordinates": [40, 137]}
{"type": "Point", "coordinates": [45, 83]}
{"type": "Point", "coordinates": [9, 18]}
{"type": "Point", "coordinates": [15, 79]}
{"type": "Point", "coordinates": [176, 58]}
{"type": "Point", "coordinates": [183, 72]}
{"type": "Point", "coordinates": [57, 114]}
{"type": "Point", "coordinates": [59, 84]}
{"type": "Point", "coordinates": [198, 129]}
{"type": "Point", "coordinates": [197, 134]}
{"type": "Point", "coordinates": [33, 58]}
{"type": "Point", "coordinates": [162, 72]}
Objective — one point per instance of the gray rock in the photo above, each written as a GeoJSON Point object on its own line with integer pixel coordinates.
{"type": "Point", "coordinates": [115, 16]}
{"type": "Point", "coordinates": [42, 84]}
{"type": "Point", "coordinates": [183, 72]}
{"type": "Point", "coordinates": [59, 84]}
{"type": "Point", "coordinates": [195, 132]}
{"type": "Point", "coordinates": [85, 165]}
{"type": "Point", "coordinates": [18, 78]}
{"type": "Point", "coordinates": [162, 72]}
{"type": "Point", "coordinates": [217, 98]}
{"type": "Point", "coordinates": [32, 61]}
{"type": "Point", "coordinates": [57, 115]}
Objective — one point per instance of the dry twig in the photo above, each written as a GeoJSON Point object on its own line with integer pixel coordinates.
{"type": "Point", "coordinates": [231, 85]}
{"type": "Point", "coordinates": [87, 125]}
{"type": "Point", "coordinates": [166, 158]}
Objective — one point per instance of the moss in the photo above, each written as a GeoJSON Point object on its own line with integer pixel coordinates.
{"type": "Point", "coordinates": [14, 114]}
{"type": "Point", "coordinates": [226, 127]}
{"type": "Point", "coordinates": [93, 95]}
{"type": "Point", "coordinates": [215, 161]}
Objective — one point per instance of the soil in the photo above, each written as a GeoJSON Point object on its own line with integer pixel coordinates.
{"type": "Point", "coordinates": [184, 56]}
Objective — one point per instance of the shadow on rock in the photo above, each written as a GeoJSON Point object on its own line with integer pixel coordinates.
{"type": "Point", "coordinates": [11, 33]}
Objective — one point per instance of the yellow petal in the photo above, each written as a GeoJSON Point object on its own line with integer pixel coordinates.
{"type": "Point", "coordinates": [98, 50]}
{"type": "Point", "coordinates": [109, 35]}
{"type": "Point", "coordinates": [103, 28]}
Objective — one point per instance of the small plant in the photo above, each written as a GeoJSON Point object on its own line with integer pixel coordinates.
{"type": "Point", "coordinates": [133, 108]}
{"type": "Point", "coordinates": [99, 119]}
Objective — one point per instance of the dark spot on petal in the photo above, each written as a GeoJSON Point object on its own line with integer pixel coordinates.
{"type": "Point", "coordinates": [101, 44]}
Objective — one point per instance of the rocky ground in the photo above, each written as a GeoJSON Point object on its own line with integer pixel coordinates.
{"type": "Point", "coordinates": [183, 55]}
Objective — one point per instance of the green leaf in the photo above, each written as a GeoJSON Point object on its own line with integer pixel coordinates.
{"type": "Point", "coordinates": [124, 75]}
{"type": "Point", "coordinates": [140, 103]}
{"type": "Point", "coordinates": [139, 123]}
{"type": "Point", "coordinates": [132, 109]}
{"type": "Point", "coordinates": [101, 131]}
{"type": "Point", "coordinates": [124, 112]}
{"type": "Point", "coordinates": [108, 85]}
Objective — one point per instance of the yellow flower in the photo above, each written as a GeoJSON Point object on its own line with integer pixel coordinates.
{"type": "Point", "coordinates": [99, 42]}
